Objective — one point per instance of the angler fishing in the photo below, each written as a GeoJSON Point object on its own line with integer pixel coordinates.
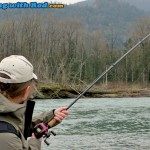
{"type": "Point", "coordinates": [42, 128]}
{"type": "Point", "coordinates": [17, 82]}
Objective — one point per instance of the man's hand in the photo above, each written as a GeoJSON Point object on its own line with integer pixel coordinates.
{"type": "Point", "coordinates": [60, 113]}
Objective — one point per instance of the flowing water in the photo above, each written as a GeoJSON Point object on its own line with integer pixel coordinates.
{"type": "Point", "coordinates": [101, 124]}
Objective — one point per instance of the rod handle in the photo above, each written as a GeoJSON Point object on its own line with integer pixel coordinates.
{"type": "Point", "coordinates": [53, 123]}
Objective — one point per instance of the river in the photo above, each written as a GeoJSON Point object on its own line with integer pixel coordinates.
{"type": "Point", "coordinates": [100, 124]}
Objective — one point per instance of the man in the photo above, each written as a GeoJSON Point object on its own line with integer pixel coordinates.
{"type": "Point", "coordinates": [16, 86]}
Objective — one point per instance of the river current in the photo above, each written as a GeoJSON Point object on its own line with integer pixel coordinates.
{"type": "Point", "coordinates": [100, 124]}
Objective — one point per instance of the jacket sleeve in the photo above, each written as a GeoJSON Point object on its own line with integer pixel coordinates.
{"type": "Point", "coordinates": [43, 117]}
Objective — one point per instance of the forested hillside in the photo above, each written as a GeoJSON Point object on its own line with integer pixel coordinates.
{"type": "Point", "coordinates": [71, 45]}
{"type": "Point", "coordinates": [107, 15]}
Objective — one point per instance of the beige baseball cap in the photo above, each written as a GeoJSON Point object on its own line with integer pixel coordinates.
{"type": "Point", "coordinates": [18, 68]}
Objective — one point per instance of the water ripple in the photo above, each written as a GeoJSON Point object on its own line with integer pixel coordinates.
{"type": "Point", "coordinates": [101, 124]}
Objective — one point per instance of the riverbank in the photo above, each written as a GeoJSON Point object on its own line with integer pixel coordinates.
{"type": "Point", "coordinates": [111, 90]}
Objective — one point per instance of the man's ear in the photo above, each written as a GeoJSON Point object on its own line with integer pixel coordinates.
{"type": "Point", "coordinates": [26, 92]}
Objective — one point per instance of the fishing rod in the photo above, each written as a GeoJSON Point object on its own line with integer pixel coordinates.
{"type": "Point", "coordinates": [106, 71]}
{"type": "Point", "coordinates": [42, 129]}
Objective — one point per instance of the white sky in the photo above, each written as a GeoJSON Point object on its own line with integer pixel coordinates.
{"type": "Point", "coordinates": [28, 1]}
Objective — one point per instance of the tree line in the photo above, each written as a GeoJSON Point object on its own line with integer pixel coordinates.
{"type": "Point", "coordinates": [64, 51]}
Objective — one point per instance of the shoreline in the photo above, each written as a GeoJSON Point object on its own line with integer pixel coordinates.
{"type": "Point", "coordinates": [57, 91]}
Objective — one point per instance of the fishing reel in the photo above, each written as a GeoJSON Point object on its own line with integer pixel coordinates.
{"type": "Point", "coordinates": [41, 130]}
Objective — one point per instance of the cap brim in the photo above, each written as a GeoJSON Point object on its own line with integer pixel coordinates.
{"type": "Point", "coordinates": [35, 77]}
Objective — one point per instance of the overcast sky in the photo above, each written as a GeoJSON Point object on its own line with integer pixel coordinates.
{"type": "Point", "coordinates": [62, 1]}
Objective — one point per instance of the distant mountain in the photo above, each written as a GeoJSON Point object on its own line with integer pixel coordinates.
{"type": "Point", "coordinates": [106, 15]}
{"type": "Point", "coordinates": [140, 4]}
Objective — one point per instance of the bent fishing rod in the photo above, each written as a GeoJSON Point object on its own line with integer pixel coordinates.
{"type": "Point", "coordinates": [53, 122]}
